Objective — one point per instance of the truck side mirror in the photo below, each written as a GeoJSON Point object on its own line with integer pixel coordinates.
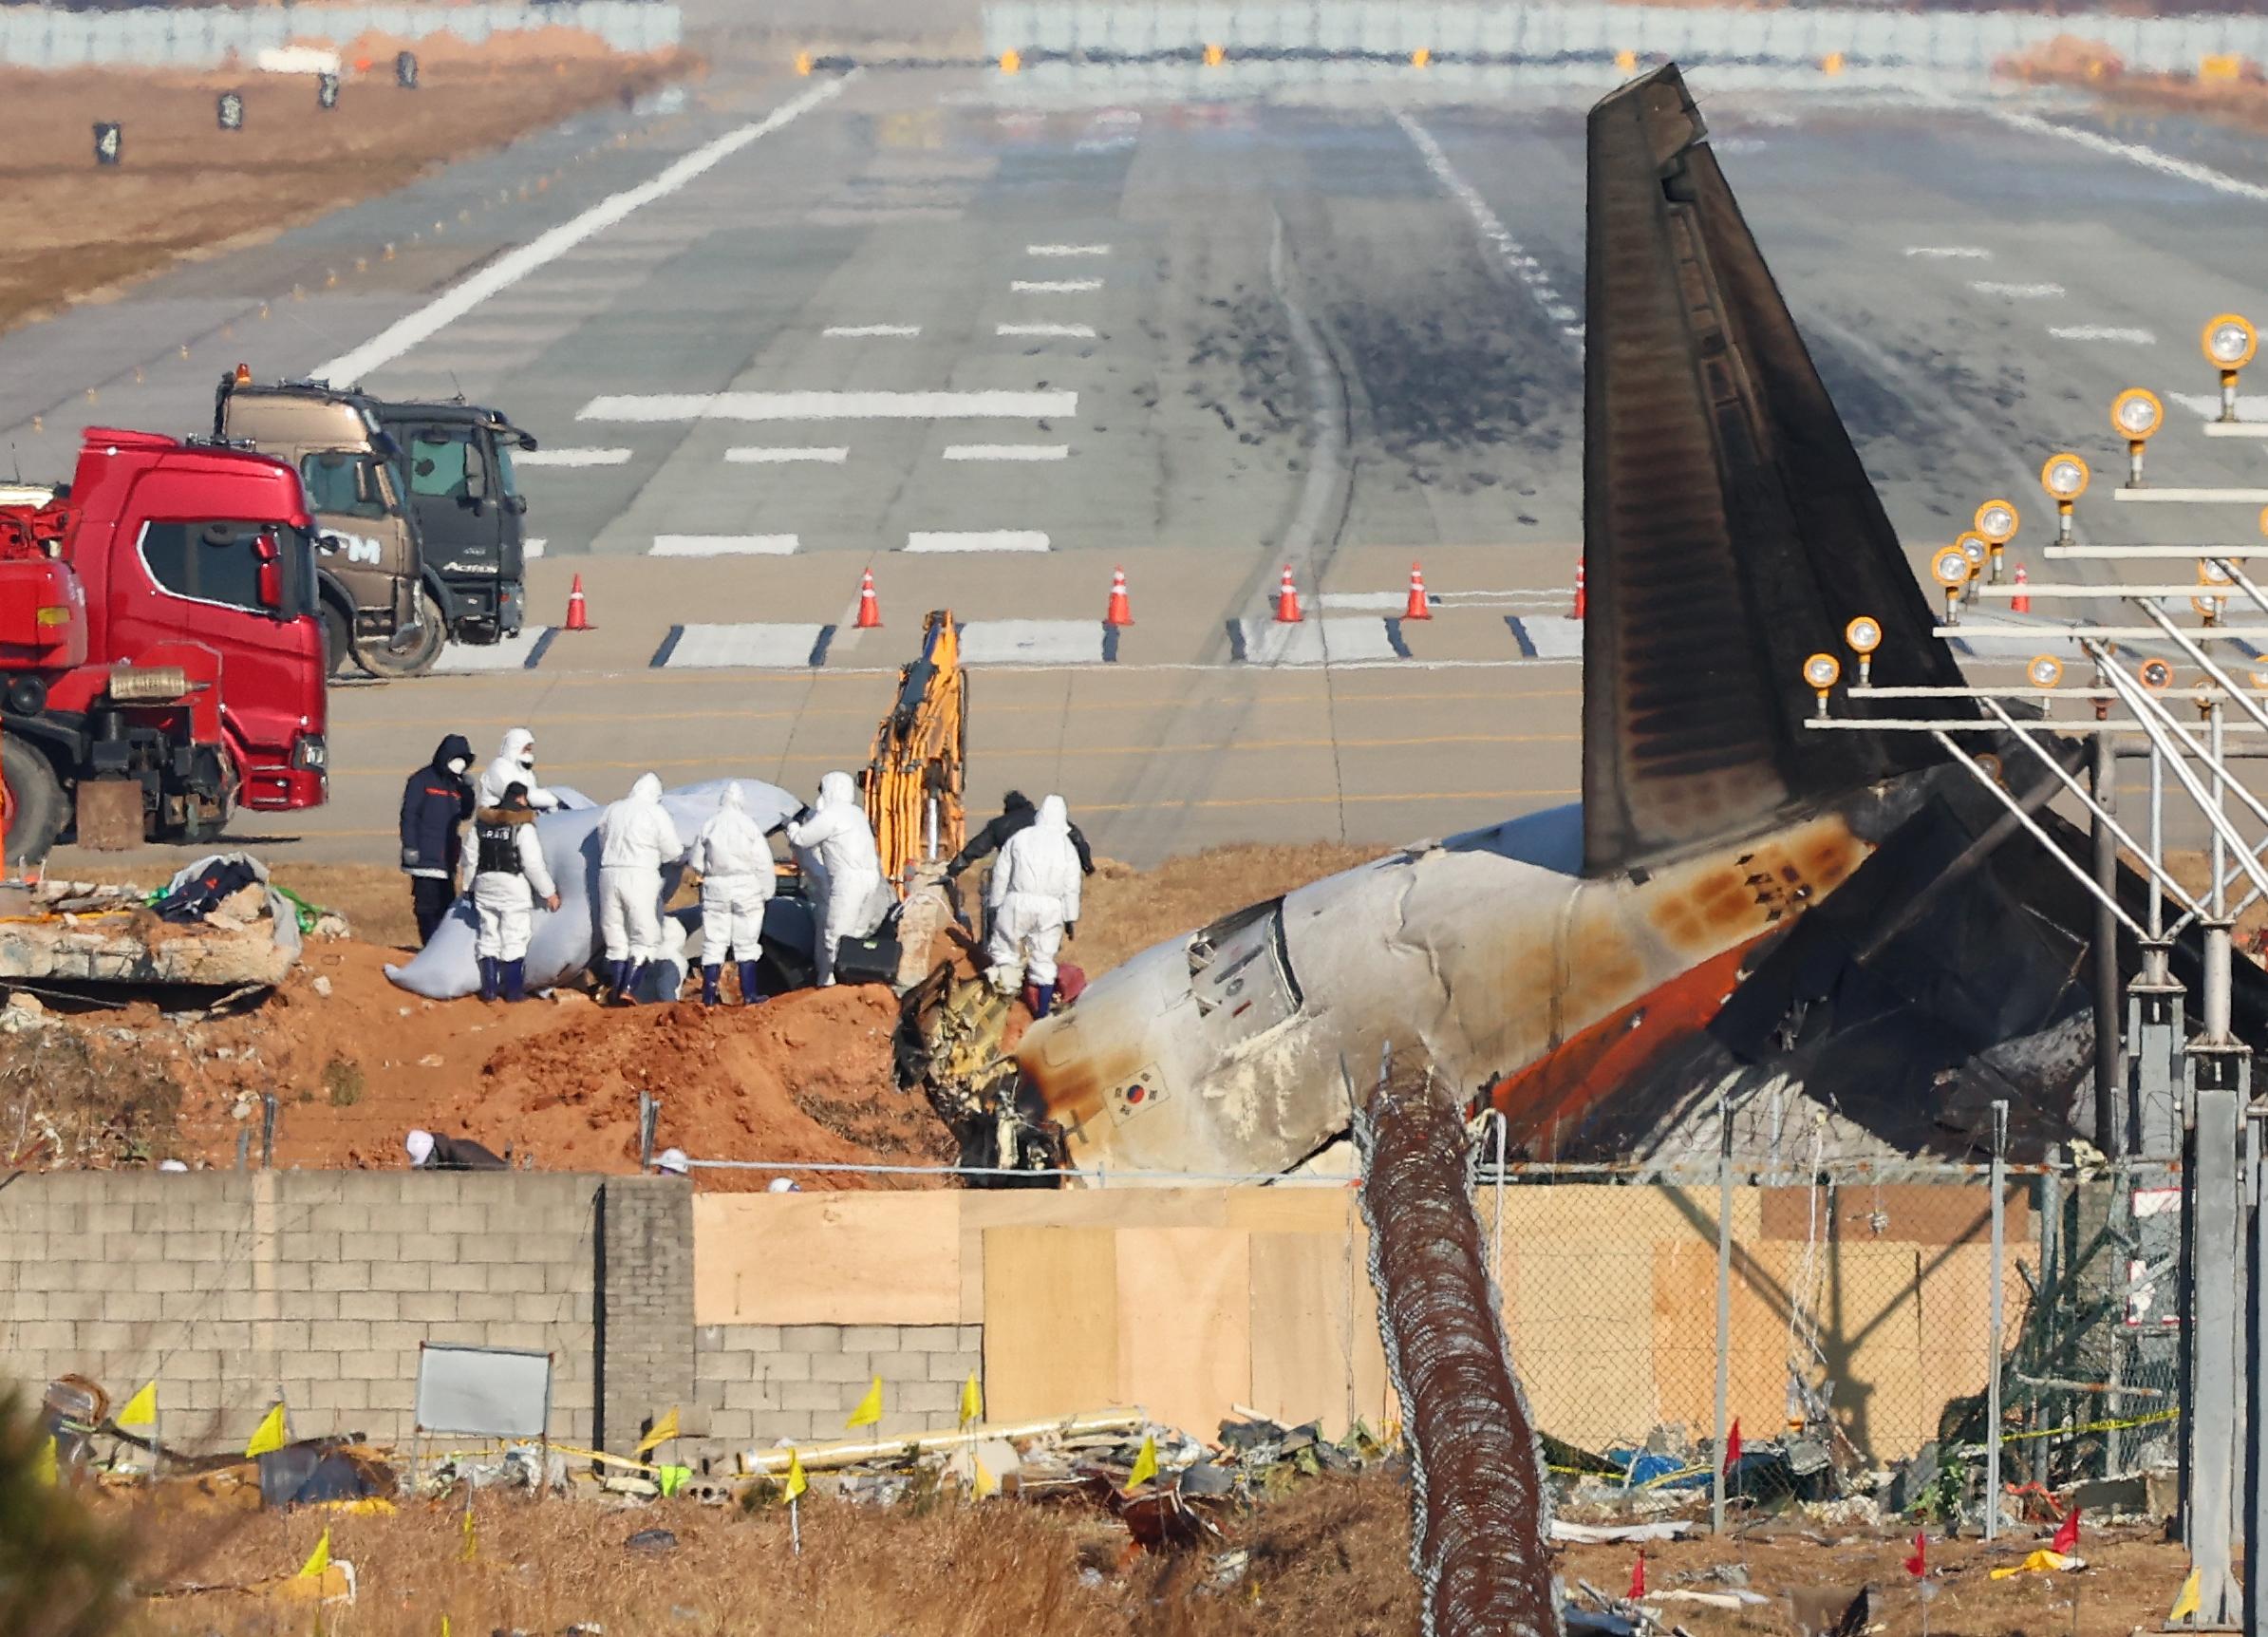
{"type": "Point", "coordinates": [271, 590]}
{"type": "Point", "coordinates": [517, 505]}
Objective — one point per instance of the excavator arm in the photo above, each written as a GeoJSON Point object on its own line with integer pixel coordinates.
{"type": "Point", "coordinates": [915, 778]}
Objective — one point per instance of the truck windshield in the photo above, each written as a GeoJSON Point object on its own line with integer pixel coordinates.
{"type": "Point", "coordinates": [217, 562]}
{"type": "Point", "coordinates": [343, 484]}
{"type": "Point", "coordinates": [446, 463]}
{"type": "Point", "coordinates": [507, 478]}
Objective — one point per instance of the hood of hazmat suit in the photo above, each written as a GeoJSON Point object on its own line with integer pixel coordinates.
{"type": "Point", "coordinates": [731, 843]}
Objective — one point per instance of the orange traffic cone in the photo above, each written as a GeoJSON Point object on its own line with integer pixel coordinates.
{"type": "Point", "coordinates": [1583, 599]}
{"type": "Point", "coordinates": [578, 616]}
{"type": "Point", "coordinates": [1119, 611]}
{"type": "Point", "coordinates": [1418, 608]}
{"type": "Point", "coordinates": [1288, 600]}
{"type": "Point", "coordinates": [869, 612]}
{"type": "Point", "coordinates": [2021, 602]}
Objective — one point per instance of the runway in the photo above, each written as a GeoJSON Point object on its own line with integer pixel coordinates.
{"type": "Point", "coordinates": [991, 338]}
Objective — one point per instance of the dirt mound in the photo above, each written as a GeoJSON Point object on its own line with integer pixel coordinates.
{"type": "Point", "coordinates": [374, 48]}
{"type": "Point", "coordinates": [2067, 59]}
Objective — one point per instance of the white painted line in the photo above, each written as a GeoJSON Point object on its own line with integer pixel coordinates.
{"type": "Point", "coordinates": [2015, 292]}
{"type": "Point", "coordinates": [509, 654]}
{"type": "Point", "coordinates": [1054, 286]}
{"type": "Point", "coordinates": [1007, 451]}
{"type": "Point", "coordinates": [1522, 266]}
{"type": "Point", "coordinates": [2189, 170]}
{"type": "Point", "coordinates": [2236, 428]}
{"type": "Point", "coordinates": [2193, 496]}
{"type": "Point", "coordinates": [1066, 249]}
{"type": "Point", "coordinates": [1549, 637]}
{"type": "Point", "coordinates": [570, 457]}
{"type": "Point", "coordinates": [996, 405]}
{"type": "Point", "coordinates": [1062, 332]}
{"type": "Point", "coordinates": [722, 546]}
{"type": "Point", "coordinates": [2125, 336]}
{"type": "Point", "coordinates": [764, 646]}
{"type": "Point", "coordinates": [515, 265]}
{"type": "Point", "coordinates": [1368, 602]}
{"type": "Point", "coordinates": [848, 331]}
{"type": "Point", "coordinates": [1031, 642]}
{"type": "Point", "coordinates": [977, 540]}
{"type": "Point", "coordinates": [2206, 406]}
{"type": "Point", "coordinates": [1316, 642]}
{"type": "Point", "coordinates": [759, 454]}
{"type": "Point", "coordinates": [531, 549]}
{"type": "Point", "coordinates": [1949, 251]}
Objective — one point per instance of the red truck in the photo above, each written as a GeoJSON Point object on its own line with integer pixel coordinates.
{"type": "Point", "coordinates": [160, 647]}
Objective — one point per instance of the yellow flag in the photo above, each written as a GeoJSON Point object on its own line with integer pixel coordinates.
{"type": "Point", "coordinates": [797, 1483]}
{"type": "Point", "coordinates": [43, 1469]}
{"type": "Point", "coordinates": [464, 1553]}
{"type": "Point", "coordinates": [1145, 1466]}
{"type": "Point", "coordinates": [663, 1430]}
{"type": "Point", "coordinates": [269, 1434]}
{"type": "Point", "coordinates": [141, 1410]}
{"type": "Point", "coordinates": [972, 1401]}
{"type": "Point", "coordinates": [870, 1407]}
{"type": "Point", "coordinates": [318, 1560]}
{"type": "Point", "coordinates": [984, 1483]}
{"type": "Point", "coordinates": [2185, 1605]}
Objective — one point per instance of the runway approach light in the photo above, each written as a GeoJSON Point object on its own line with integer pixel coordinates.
{"type": "Point", "coordinates": [1832, 64]}
{"type": "Point", "coordinates": [1821, 672]}
{"type": "Point", "coordinates": [1422, 58]}
{"type": "Point", "coordinates": [1996, 521]}
{"type": "Point", "coordinates": [2044, 670]}
{"type": "Point", "coordinates": [1627, 62]}
{"type": "Point", "coordinates": [804, 64]}
{"type": "Point", "coordinates": [2212, 575]}
{"type": "Point", "coordinates": [1214, 56]}
{"type": "Point", "coordinates": [1865, 634]}
{"type": "Point", "coordinates": [2064, 477]}
{"type": "Point", "coordinates": [1949, 567]}
{"type": "Point", "coordinates": [2230, 341]}
{"type": "Point", "coordinates": [1972, 547]}
{"type": "Point", "coordinates": [1010, 62]}
{"type": "Point", "coordinates": [2155, 674]}
{"type": "Point", "coordinates": [2134, 415]}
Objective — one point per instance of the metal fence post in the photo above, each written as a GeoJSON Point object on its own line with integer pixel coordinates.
{"type": "Point", "coordinates": [1992, 1390]}
{"type": "Point", "coordinates": [1724, 1302]}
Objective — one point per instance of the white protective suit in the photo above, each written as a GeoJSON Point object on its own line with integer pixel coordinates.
{"type": "Point", "coordinates": [505, 900]}
{"type": "Point", "coordinates": [1033, 896]}
{"type": "Point", "coordinates": [635, 839]}
{"type": "Point", "coordinates": [514, 764]}
{"type": "Point", "coordinates": [838, 849]}
{"type": "Point", "coordinates": [734, 862]}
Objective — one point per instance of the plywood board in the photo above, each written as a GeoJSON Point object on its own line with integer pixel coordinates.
{"type": "Point", "coordinates": [1299, 1210]}
{"type": "Point", "coordinates": [1185, 1324]}
{"type": "Point", "coordinates": [1314, 1333]}
{"type": "Point", "coordinates": [1580, 1321]}
{"type": "Point", "coordinates": [1051, 1322]}
{"type": "Point", "coordinates": [1900, 1213]}
{"type": "Point", "coordinates": [1075, 1208]}
{"type": "Point", "coordinates": [866, 1258]}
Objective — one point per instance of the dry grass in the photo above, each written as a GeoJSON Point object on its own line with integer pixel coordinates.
{"type": "Point", "coordinates": [1126, 910]}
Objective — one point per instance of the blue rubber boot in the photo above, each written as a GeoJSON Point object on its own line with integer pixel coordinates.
{"type": "Point", "coordinates": [515, 980]}
{"type": "Point", "coordinates": [490, 972]}
{"type": "Point", "coordinates": [1047, 1001]}
{"type": "Point", "coordinates": [708, 984]}
{"type": "Point", "coordinates": [618, 982]}
{"type": "Point", "coordinates": [750, 994]}
{"type": "Point", "coordinates": [631, 985]}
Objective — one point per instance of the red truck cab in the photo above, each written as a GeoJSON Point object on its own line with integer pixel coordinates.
{"type": "Point", "coordinates": [161, 652]}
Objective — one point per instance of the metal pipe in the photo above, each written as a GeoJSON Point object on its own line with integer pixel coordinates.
{"type": "Point", "coordinates": [2217, 984]}
{"type": "Point", "coordinates": [2155, 720]}
{"type": "Point", "coordinates": [2032, 825]}
{"type": "Point", "coordinates": [851, 1452]}
{"type": "Point", "coordinates": [1724, 1303]}
{"type": "Point", "coordinates": [2109, 1002]}
{"type": "Point", "coordinates": [1992, 1391]}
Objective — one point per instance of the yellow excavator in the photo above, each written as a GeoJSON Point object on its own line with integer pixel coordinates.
{"type": "Point", "coordinates": [915, 778]}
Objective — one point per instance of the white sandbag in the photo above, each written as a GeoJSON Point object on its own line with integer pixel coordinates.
{"type": "Point", "coordinates": [565, 939]}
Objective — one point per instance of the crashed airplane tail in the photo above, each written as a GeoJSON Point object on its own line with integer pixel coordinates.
{"type": "Point", "coordinates": [1729, 528]}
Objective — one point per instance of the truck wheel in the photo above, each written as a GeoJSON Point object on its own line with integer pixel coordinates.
{"type": "Point", "coordinates": [338, 639]}
{"type": "Point", "coordinates": [432, 631]}
{"type": "Point", "coordinates": [33, 802]}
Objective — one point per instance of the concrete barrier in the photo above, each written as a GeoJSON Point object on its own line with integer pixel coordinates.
{"type": "Point", "coordinates": [36, 37]}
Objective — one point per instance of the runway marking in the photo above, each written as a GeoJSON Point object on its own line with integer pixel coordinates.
{"type": "Point", "coordinates": [2189, 170]}
{"type": "Point", "coordinates": [2250, 406]}
{"type": "Point", "coordinates": [1034, 642]}
{"type": "Point", "coordinates": [570, 457]}
{"type": "Point", "coordinates": [1066, 249]}
{"type": "Point", "coordinates": [531, 549]}
{"type": "Point", "coordinates": [980, 406]}
{"type": "Point", "coordinates": [1315, 642]}
{"type": "Point", "coordinates": [1950, 251]}
{"type": "Point", "coordinates": [764, 455]}
{"type": "Point", "coordinates": [723, 546]}
{"type": "Point", "coordinates": [1523, 266]}
{"type": "Point", "coordinates": [977, 540]}
{"type": "Point", "coordinates": [1054, 286]}
{"type": "Point", "coordinates": [2102, 333]}
{"type": "Point", "coordinates": [1062, 332]}
{"type": "Point", "coordinates": [852, 331]}
{"type": "Point", "coordinates": [2015, 292]}
{"type": "Point", "coordinates": [1007, 451]}
{"type": "Point", "coordinates": [1371, 602]}
{"type": "Point", "coordinates": [515, 265]}
{"type": "Point", "coordinates": [753, 647]}
{"type": "Point", "coordinates": [1546, 636]}
{"type": "Point", "coordinates": [522, 652]}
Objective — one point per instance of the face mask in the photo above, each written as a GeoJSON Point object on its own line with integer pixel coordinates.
{"type": "Point", "coordinates": [529, 762]}
{"type": "Point", "coordinates": [455, 765]}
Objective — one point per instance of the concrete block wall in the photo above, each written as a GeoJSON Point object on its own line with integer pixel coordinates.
{"type": "Point", "coordinates": [646, 1311]}
{"type": "Point", "coordinates": [761, 1383]}
{"type": "Point", "coordinates": [232, 1289]}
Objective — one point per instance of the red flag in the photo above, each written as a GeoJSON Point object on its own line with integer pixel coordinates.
{"type": "Point", "coordinates": [1638, 1578]}
{"type": "Point", "coordinates": [1733, 1445]}
{"type": "Point", "coordinates": [1917, 1565]}
{"type": "Point", "coordinates": [2067, 1536]}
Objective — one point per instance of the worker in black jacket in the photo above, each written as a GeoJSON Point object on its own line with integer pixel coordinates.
{"type": "Point", "coordinates": [1016, 813]}
{"type": "Point", "coordinates": [434, 804]}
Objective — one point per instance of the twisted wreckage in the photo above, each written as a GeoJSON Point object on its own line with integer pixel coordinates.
{"type": "Point", "coordinates": [1736, 903]}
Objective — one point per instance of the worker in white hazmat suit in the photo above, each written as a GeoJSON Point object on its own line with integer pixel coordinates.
{"type": "Point", "coordinates": [509, 875]}
{"type": "Point", "coordinates": [635, 839]}
{"type": "Point", "coordinates": [839, 848]}
{"type": "Point", "coordinates": [1033, 899]}
{"type": "Point", "coordinates": [514, 764]}
{"type": "Point", "coordinates": [734, 862]}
